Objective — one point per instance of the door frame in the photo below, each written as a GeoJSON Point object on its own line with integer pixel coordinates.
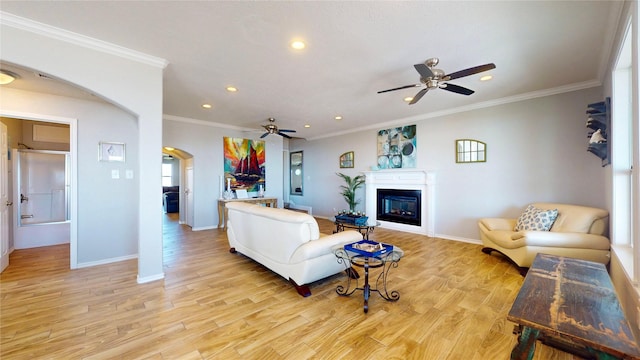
{"type": "Point", "coordinates": [4, 198]}
{"type": "Point", "coordinates": [188, 193]}
{"type": "Point", "coordinates": [73, 145]}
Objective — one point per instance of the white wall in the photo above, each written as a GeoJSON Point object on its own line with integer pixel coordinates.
{"type": "Point", "coordinates": [204, 142]}
{"type": "Point", "coordinates": [536, 151]}
{"type": "Point", "coordinates": [107, 208]}
{"type": "Point", "coordinates": [132, 81]}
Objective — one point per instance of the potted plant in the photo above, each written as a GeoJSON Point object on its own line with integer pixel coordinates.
{"type": "Point", "coordinates": [349, 189]}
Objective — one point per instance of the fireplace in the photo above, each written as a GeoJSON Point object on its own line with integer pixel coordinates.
{"type": "Point", "coordinates": [399, 206]}
{"type": "Point", "coordinates": [401, 213]}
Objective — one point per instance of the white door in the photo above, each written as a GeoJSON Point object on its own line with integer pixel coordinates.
{"type": "Point", "coordinates": [4, 199]}
{"type": "Point", "coordinates": [188, 197]}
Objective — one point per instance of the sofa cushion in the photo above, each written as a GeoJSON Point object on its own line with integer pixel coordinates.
{"type": "Point", "coordinates": [576, 218]}
{"type": "Point", "coordinates": [534, 219]}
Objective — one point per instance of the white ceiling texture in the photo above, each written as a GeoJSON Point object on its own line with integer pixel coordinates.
{"type": "Point", "coordinates": [353, 50]}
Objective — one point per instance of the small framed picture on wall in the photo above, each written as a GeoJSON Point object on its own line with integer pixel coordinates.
{"type": "Point", "coordinates": [111, 151]}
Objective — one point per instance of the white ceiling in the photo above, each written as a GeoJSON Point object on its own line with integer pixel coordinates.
{"type": "Point", "coordinates": [354, 49]}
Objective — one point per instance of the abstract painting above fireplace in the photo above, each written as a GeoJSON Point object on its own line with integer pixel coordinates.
{"type": "Point", "coordinates": [397, 147]}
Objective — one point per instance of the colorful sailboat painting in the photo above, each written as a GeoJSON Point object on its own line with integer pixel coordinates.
{"type": "Point", "coordinates": [244, 163]}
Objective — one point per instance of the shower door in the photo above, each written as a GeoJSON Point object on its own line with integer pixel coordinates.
{"type": "Point", "coordinates": [42, 198]}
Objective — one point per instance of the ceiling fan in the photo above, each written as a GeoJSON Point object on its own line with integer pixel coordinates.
{"type": "Point", "coordinates": [273, 129]}
{"type": "Point", "coordinates": [433, 78]}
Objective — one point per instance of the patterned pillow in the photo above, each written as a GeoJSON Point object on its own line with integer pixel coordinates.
{"type": "Point", "coordinates": [536, 219]}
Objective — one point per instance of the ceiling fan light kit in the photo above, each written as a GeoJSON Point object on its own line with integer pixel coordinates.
{"type": "Point", "coordinates": [432, 78]}
{"type": "Point", "coordinates": [271, 128]}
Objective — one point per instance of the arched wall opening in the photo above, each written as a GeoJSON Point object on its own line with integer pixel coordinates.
{"type": "Point", "coordinates": [183, 179]}
{"type": "Point", "coordinates": [129, 80]}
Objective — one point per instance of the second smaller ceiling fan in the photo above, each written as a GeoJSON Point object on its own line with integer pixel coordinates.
{"type": "Point", "coordinates": [432, 78]}
{"type": "Point", "coordinates": [273, 129]}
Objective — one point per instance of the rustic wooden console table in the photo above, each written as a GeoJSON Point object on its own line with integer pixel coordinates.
{"type": "Point", "coordinates": [223, 213]}
{"type": "Point", "coordinates": [571, 304]}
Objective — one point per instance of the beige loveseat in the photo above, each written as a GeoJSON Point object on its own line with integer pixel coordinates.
{"type": "Point", "coordinates": [578, 231]}
{"type": "Point", "coordinates": [287, 242]}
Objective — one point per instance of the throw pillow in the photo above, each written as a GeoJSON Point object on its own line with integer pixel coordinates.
{"type": "Point", "coordinates": [536, 219]}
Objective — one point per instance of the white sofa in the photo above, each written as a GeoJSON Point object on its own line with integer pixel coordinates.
{"type": "Point", "coordinates": [285, 241]}
{"type": "Point", "coordinates": [577, 232]}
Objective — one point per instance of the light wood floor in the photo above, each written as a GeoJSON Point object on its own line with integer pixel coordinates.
{"type": "Point", "coordinates": [215, 305]}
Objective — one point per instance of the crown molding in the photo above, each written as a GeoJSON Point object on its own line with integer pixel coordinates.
{"type": "Point", "coordinates": [607, 57]}
{"type": "Point", "coordinates": [204, 123]}
{"type": "Point", "coordinates": [7, 19]}
{"type": "Point", "coordinates": [378, 126]}
{"type": "Point", "coordinates": [476, 106]}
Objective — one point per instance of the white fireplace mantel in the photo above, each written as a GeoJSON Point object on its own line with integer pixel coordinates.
{"type": "Point", "coordinates": [403, 179]}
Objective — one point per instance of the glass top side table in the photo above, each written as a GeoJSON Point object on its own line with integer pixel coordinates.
{"type": "Point", "coordinates": [364, 229]}
{"type": "Point", "coordinates": [384, 261]}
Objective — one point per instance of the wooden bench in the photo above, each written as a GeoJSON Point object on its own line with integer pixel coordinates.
{"type": "Point", "coordinates": [571, 304]}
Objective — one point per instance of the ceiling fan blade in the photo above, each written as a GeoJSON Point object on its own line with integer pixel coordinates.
{"type": "Point", "coordinates": [283, 134]}
{"type": "Point", "coordinates": [264, 135]}
{"type": "Point", "coordinates": [423, 70]}
{"type": "Point", "coordinates": [286, 130]}
{"type": "Point", "coordinates": [470, 71]}
{"type": "Point", "coordinates": [399, 88]}
{"type": "Point", "coordinates": [418, 96]}
{"type": "Point", "coordinates": [457, 89]}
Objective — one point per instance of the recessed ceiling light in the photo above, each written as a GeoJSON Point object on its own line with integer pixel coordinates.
{"type": "Point", "coordinates": [232, 89]}
{"type": "Point", "coordinates": [298, 44]}
{"type": "Point", "coordinates": [486, 78]}
{"type": "Point", "coordinates": [7, 77]}
{"type": "Point", "coordinates": [207, 106]}
{"type": "Point", "coordinates": [338, 117]}
{"type": "Point", "coordinates": [408, 99]}
{"type": "Point", "coordinates": [307, 125]}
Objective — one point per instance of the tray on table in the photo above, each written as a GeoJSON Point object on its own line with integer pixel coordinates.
{"type": "Point", "coordinates": [359, 220]}
{"type": "Point", "coordinates": [369, 248]}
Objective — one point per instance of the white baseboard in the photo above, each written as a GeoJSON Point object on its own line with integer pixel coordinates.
{"type": "Point", "coordinates": [205, 228]}
{"type": "Point", "coordinates": [140, 280]}
{"type": "Point", "coordinates": [106, 261]}
{"type": "Point", "coordinates": [301, 207]}
{"type": "Point", "coordinates": [441, 236]}
{"type": "Point", "coordinates": [457, 238]}
{"type": "Point", "coordinates": [146, 279]}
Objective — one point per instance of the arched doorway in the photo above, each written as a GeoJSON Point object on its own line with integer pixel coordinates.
{"type": "Point", "coordinates": [178, 173]}
{"type": "Point", "coordinates": [101, 70]}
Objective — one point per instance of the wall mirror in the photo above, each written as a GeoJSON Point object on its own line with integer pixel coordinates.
{"type": "Point", "coordinates": [346, 160]}
{"type": "Point", "coordinates": [295, 166]}
{"type": "Point", "coordinates": [470, 151]}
